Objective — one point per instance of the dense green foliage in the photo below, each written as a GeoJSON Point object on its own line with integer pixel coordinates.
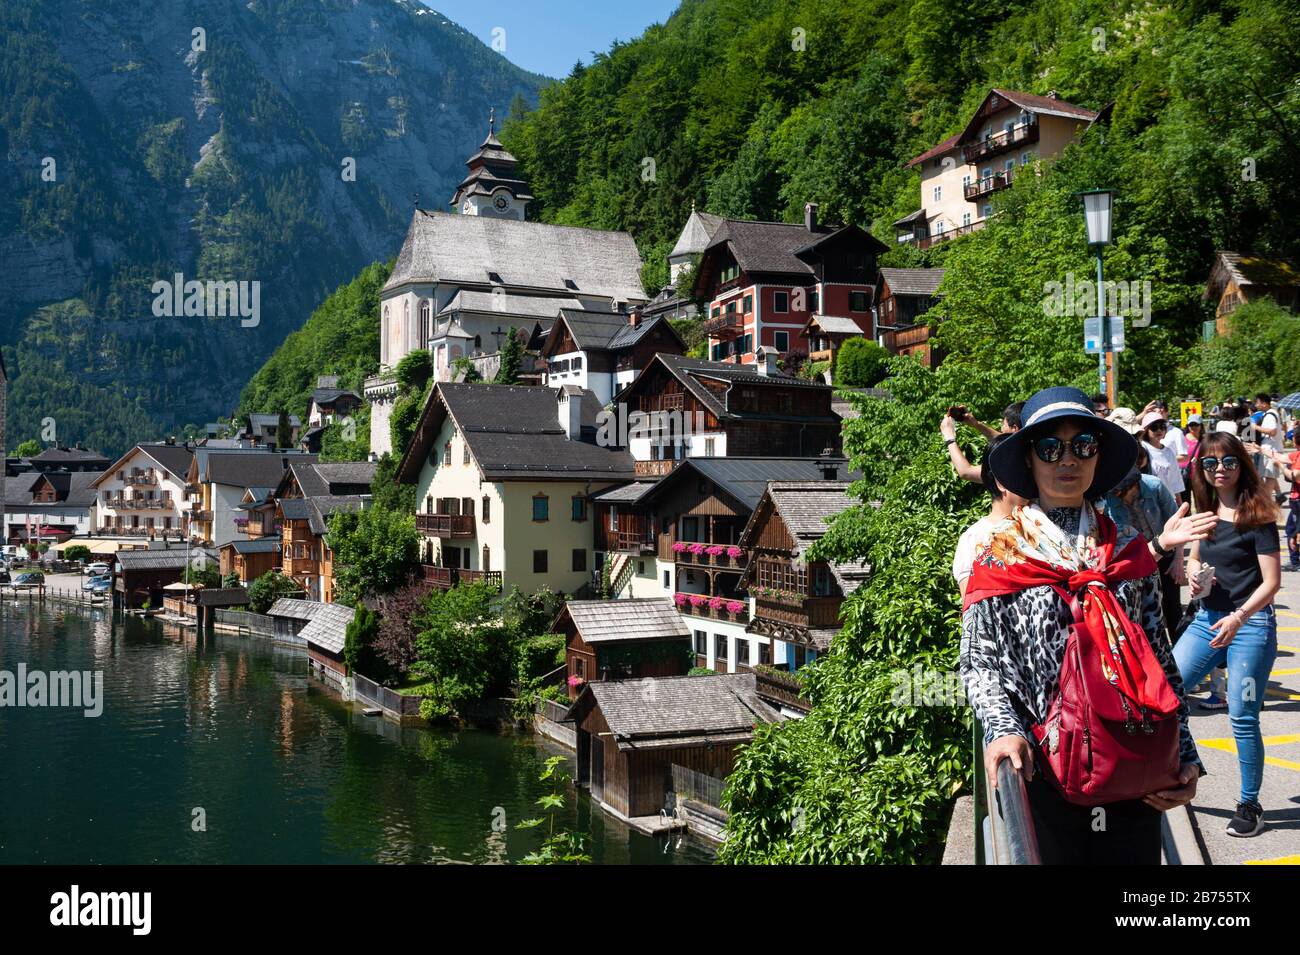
{"type": "Point", "coordinates": [270, 587]}
{"type": "Point", "coordinates": [359, 638]}
{"type": "Point", "coordinates": [512, 357]}
{"type": "Point", "coordinates": [76, 552]}
{"type": "Point", "coordinates": [1261, 353]}
{"type": "Point", "coordinates": [463, 647]}
{"type": "Point", "coordinates": [375, 551]}
{"type": "Point", "coordinates": [860, 363]}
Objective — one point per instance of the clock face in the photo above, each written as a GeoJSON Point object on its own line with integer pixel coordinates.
{"type": "Point", "coordinates": [501, 202]}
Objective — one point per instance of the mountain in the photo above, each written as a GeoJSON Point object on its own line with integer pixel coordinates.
{"type": "Point", "coordinates": [268, 141]}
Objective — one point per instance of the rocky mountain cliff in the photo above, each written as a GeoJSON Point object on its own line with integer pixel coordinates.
{"type": "Point", "coordinates": [270, 141]}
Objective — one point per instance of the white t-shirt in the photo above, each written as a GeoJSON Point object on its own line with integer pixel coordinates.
{"type": "Point", "coordinates": [1164, 465]}
{"type": "Point", "coordinates": [1270, 441]}
{"type": "Point", "coordinates": [1174, 438]}
{"type": "Point", "coordinates": [1229, 427]}
{"type": "Point", "coordinates": [978, 534]}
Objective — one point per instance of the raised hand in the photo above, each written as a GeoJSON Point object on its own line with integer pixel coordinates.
{"type": "Point", "coordinates": [1182, 529]}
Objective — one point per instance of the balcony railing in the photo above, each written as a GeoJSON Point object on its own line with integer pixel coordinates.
{"type": "Point", "coordinates": [158, 533]}
{"type": "Point", "coordinates": [701, 557]}
{"type": "Point", "coordinates": [632, 542]}
{"type": "Point", "coordinates": [925, 241]}
{"type": "Point", "coordinates": [728, 323]}
{"type": "Point", "coordinates": [706, 609]}
{"type": "Point", "coordinates": [445, 525]}
{"type": "Point", "coordinates": [139, 503]}
{"type": "Point", "coordinates": [974, 191]}
{"type": "Point", "coordinates": [781, 686]}
{"type": "Point", "coordinates": [809, 612]}
{"type": "Point", "coordinates": [444, 578]}
{"type": "Point", "coordinates": [1001, 142]}
{"type": "Point", "coordinates": [656, 469]}
{"type": "Point", "coordinates": [138, 478]}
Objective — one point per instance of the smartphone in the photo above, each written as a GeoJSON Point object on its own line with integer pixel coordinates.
{"type": "Point", "coordinates": [1203, 578]}
{"type": "Point", "coordinates": [957, 412]}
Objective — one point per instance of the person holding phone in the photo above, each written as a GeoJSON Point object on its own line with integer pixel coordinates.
{"type": "Point", "coordinates": [960, 414]}
{"type": "Point", "coordinates": [1236, 624]}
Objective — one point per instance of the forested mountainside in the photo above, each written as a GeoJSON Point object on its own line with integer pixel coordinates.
{"type": "Point", "coordinates": [215, 139]}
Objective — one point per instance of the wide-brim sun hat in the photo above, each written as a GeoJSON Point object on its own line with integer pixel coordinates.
{"type": "Point", "coordinates": [1127, 419]}
{"type": "Point", "coordinates": [1041, 415]}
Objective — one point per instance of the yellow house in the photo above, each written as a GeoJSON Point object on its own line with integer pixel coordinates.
{"type": "Point", "coordinates": [504, 474]}
{"type": "Point", "coordinates": [960, 175]}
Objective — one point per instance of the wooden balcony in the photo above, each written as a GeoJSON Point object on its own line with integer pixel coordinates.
{"type": "Point", "coordinates": [726, 325]}
{"type": "Point", "coordinates": [444, 578]}
{"type": "Point", "coordinates": [781, 687]}
{"type": "Point", "coordinates": [722, 561]}
{"type": "Point", "coordinates": [811, 613]}
{"type": "Point", "coordinates": [445, 526]}
{"type": "Point", "coordinates": [631, 542]}
{"type": "Point", "coordinates": [714, 613]}
{"type": "Point", "coordinates": [306, 566]}
{"type": "Point", "coordinates": [1001, 142]}
{"type": "Point", "coordinates": [926, 241]}
{"type": "Point", "coordinates": [655, 469]}
{"type": "Point", "coordinates": [977, 190]}
{"type": "Point", "coordinates": [138, 478]}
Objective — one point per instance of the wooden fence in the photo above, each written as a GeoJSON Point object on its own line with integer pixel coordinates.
{"type": "Point", "coordinates": [555, 712]}
{"type": "Point", "coordinates": [367, 690]}
{"type": "Point", "coordinates": [277, 628]}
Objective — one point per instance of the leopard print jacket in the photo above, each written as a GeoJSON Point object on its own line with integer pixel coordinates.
{"type": "Point", "coordinates": [1012, 648]}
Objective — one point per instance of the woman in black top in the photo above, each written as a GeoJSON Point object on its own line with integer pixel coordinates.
{"type": "Point", "coordinates": [1236, 624]}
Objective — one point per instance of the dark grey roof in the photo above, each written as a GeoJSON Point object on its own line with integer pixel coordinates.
{"type": "Point", "coordinates": [327, 396]}
{"type": "Point", "coordinates": [768, 246]}
{"type": "Point", "coordinates": [513, 431]}
{"type": "Point", "coordinates": [505, 303]}
{"type": "Point", "coordinates": [152, 559]}
{"type": "Point", "coordinates": [323, 507]}
{"type": "Point", "coordinates": [57, 456]}
{"type": "Point", "coordinates": [328, 626]}
{"type": "Point", "coordinates": [259, 545]}
{"type": "Point", "coordinates": [295, 508]}
{"type": "Point", "coordinates": [746, 479]}
{"type": "Point", "coordinates": [222, 597]}
{"type": "Point", "coordinates": [912, 281]}
{"type": "Point", "coordinates": [680, 711]}
{"type": "Point", "coordinates": [246, 468]}
{"type": "Point", "coordinates": [625, 494]}
{"type": "Point", "coordinates": [462, 250]}
{"type": "Point", "coordinates": [610, 621]}
{"type": "Point", "coordinates": [341, 477]}
{"type": "Point", "coordinates": [911, 217]}
{"type": "Point", "coordinates": [691, 372]}
{"type": "Point", "coordinates": [272, 420]}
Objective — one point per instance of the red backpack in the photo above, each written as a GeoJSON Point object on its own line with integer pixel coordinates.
{"type": "Point", "coordinates": [1096, 749]}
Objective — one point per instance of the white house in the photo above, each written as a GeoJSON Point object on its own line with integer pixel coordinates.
{"type": "Point", "coordinates": [144, 493]}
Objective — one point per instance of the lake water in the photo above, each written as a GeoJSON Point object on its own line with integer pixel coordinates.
{"type": "Point", "coordinates": [282, 769]}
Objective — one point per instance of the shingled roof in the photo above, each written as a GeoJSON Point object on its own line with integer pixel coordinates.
{"type": "Point", "coordinates": [614, 621]}
{"type": "Point", "coordinates": [514, 432]}
{"type": "Point", "coordinates": [692, 372]}
{"type": "Point", "coordinates": [804, 507]}
{"type": "Point", "coordinates": [745, 479]}
{"type": "Point", "coordinates": [505, 303]}
{"type": "Point", "coordinates": [463, 250]}
{"type": "Point", "coordinates": [246, 468]}
{"type": "Point", "coordinates": [603, 331]}
{"type": "Point", "coordinates": [912, 281]}
{"type": "Point", "coordinates": [671, 712]}
{"type": "Point", "coordinates": [1246, 270]}
{"type": "Point", "coordinates": [56, 457]}
{"type": "Point", "coordinates": [168, 559]}
{"type": "Point", "coordinates": [328, 627]}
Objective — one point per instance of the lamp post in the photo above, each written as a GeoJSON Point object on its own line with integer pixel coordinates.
{"type": "Point", "coordinates": [1097, 217]}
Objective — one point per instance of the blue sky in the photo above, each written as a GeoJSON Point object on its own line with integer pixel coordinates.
{"type": "Point", "coordinates": [549, 36]}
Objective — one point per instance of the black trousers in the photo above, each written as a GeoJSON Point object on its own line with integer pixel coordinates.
{"type": "Point", "coordinates": [1119, 833]}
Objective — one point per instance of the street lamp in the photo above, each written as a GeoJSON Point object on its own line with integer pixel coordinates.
{"type": "Point", "coordinates": [1097, 217]}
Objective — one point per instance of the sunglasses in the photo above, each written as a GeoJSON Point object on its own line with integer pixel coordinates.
{"type": "Point", "coordinates": [1158, 427]}
{"type": "Point", "coordinates": [1211, 464]}
{"type": "Point", "coordinates": [1082, 446]}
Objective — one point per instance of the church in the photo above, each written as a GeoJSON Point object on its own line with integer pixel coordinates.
{"type": "Point", "coordinates": [466, 279]}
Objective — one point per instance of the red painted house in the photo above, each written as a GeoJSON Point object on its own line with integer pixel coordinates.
{"type": "Point", "coordinates": [765, 280]}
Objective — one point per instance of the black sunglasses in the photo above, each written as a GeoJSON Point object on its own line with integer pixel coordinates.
{"type": "Point", "coordinates": [1052, 449]}
{"type": "Point", "coordinates": [1158, 426]}
{"type": "Point", "coordinates": [1211, 464]}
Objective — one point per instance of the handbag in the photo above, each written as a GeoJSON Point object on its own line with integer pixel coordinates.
{"type": "Point", "coordinates": [1096, 750]}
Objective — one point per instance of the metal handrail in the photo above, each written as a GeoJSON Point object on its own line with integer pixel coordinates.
{"type": "Point", "coordinates": [1004, 825]}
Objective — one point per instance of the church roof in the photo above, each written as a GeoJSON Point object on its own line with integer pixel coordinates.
{"type": "Point", "coordinates": [696, 234]}
{"type": "Point", "coordinates": [503, 303]}
{"type": "Point", "coordinates": [468, 250]}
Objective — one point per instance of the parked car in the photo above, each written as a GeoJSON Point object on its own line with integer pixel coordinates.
{"type": "Point", "coordinates": [29, 578]}
{"type": "Point", "coordinates": [90, 583]}
{"type": "Point", "coordinates": [4, 576]}
{"type": "Point", "coordinates": [97, 569]}
{"type": "Point", "coordinates": [99, 585]}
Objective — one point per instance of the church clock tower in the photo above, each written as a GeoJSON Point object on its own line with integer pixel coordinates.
{"type": "Point", "coordinates": [492, 187]}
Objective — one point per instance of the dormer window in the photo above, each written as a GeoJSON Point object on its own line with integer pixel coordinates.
{"type": "Point", "coordinates": [570, 284]}
{"type": "Point", "coordinates": [495, 278]}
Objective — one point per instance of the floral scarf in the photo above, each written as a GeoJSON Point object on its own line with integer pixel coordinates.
{"type": "Point", "coordinates": [1028, 550]}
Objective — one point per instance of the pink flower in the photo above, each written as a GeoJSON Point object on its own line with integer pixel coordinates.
{"type": "Point", "coordinates": [679, 599]}
{"type": "Point", "coordinates": [735, 606]}
{"type": "Point", "coordinates": [716, 603]}
{"type": "Point", "coordinates": [734, 552]}
{"type": "Point", "coordinates": [714, 551]}
{"type": "Point", "coordinates": [696, 599]}
{"type": "Point", "coordinates": [678, 547]}
{"type": "Point", "coordinates": [696, 549]}
{"type": "Point", "coordinates": [576, 681]}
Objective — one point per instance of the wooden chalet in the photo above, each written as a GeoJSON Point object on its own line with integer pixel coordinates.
{"type": "Point", "coordinates": [731, 410]}
{"type": "Point", "coordinates": [1237, 279]}
{"type": "Point", "coordinates": [622, 640]}
{"type": "Point", "coordinates": [142, 575]}
{"type": "Point", "coordinates": [631, 733]}
{"type": "Point", "coordinates": [797, 603]}
{"type": "Point", "coordinates": [906, 295]}
{"type": "Point", "coordinates": [602, 351]}
{"type": "Point", "coordinates": [250, 559]}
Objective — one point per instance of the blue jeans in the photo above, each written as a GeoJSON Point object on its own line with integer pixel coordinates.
{"type": "Point", "coordinates": [1293, 525]}
{"type": "Point", "coordinates": [1249, 659]}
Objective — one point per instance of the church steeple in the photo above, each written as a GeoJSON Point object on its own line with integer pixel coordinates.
{"type": "Point", "coordinates": [492, 187]}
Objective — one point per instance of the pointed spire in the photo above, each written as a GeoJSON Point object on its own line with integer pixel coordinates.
{"type": "Point", "coordinates": [492, 112]}
{"type": "Point", "coordinates": [416, 199]}
{"type": "Point", "coordinates": [692, 207]}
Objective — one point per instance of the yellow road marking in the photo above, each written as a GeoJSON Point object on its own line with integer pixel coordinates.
{"type": "Point", "coordinates": [1289, 672]}
{"type": "Point", "coordinates": [1288, 613]}
{"type": "Point", "coordinates": [1283, 646]}
{"type": "Point", "coordinates": [1230, 746]}
{"type": "Point", "coordinates": [1281, 860]}
{"type": "Point", "coordinates": [1279, 694]}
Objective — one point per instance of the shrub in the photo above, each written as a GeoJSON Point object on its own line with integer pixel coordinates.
{"type": "Point", "coordinates": [860, 363]}
{"type": "Point", "coordinates": [76, 552]}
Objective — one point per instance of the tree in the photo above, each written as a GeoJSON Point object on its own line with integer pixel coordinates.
{"type": "Point", "coordinates": [359, 638]}
{"type": "Point", "coordinates": [283, 431]}
{"type": "Point", "coordinates": [414, 371]}
{"type": "Point", "coordinates": [463, 648]}
{"type": "Point", "coordinates": [512, 359]}
{"type": "Point", "coordinates": [230, 581]}
{"type": "Point", "coordinates": [29, 448]}
{"type": "Point", "coordinates": [76, 552]}
{"type": "Point", "coordinates": [270, 587]}
{"type": "Point", "coordinates": [860, 363]}
{"type": "Point", "coordinates": [205, 576]}
{"type": "Point", "coordinates": [405, 416]}
{"type": "Point", "coordinates": [375, 551]}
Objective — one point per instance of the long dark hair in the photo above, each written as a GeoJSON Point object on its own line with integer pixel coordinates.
{"type": "Point", "coordinates": [1255, 505]}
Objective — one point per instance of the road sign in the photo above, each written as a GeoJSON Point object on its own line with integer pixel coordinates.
{"type": "Point", "coordinates": [1188, 408]}
{"type": "Point", "coordinates": [1092, 335]}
